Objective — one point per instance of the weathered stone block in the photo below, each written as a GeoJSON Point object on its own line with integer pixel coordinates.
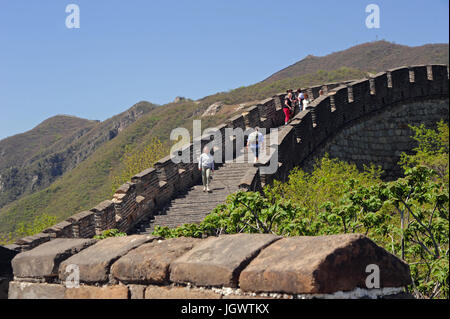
{"type": "Point", "coordinates": [137, 291]}
{"type": "Point", "coordinates": [217, 261]}
{"type": "Point", "coordinates": [157, 292]}
{"type": "Point", "coordinates": [324, 264]}
{"type": "Point", "coordinates": [150, 263]}
{"type": "Point", "coordinates": [94, 262]}
{"type": "Point", "coordinates": [91, 292]}
{"type": "Point", "coordinates": [44, 260]}
{"type": "Point", "coordinates": [25, 290]}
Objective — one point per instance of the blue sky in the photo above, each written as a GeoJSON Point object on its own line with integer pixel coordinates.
{"type": "Point", "coordinates": [128, 51]}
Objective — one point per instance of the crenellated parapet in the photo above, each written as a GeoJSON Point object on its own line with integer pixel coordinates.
{"type": "Point", "coordinates": [348, 103]}
{"type": "Point", "coordinates": [340, 105]}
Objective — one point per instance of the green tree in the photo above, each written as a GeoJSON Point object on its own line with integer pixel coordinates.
{"type": "Point", "coordinates": [432, 150]}
{"type": "Point", "coordinates": [135, 161]}
{"type": "Point", "coordinates": [38, 224]}
{"type": "Point", "coordinates": [409, 216]}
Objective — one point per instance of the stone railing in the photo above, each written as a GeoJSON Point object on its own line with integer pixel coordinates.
{"type": "Point", "coordinates": [341, 103]}
{"type": "Point", "coordinates": [345, 104]}
{"type": "Point", "coordinates": [151, 189]}
{"type": "Point", "coordinates": [241, 266]}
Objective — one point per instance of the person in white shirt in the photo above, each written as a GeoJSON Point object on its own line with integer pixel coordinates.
{"type": "Point", "coordinates": [306, 102]}
{"type": "Point", "coordinates": [255, 141]}
{"type": "Point", "coordinates": [301, 98]}
{"type": "Point", "coordinates": [206, 166]}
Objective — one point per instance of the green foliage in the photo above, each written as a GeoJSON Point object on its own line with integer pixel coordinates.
{"type": "Point", "coordinates": [289, 209]}
{"type": "Point", "coordinates": [91, 181]}
{"type": "Point", "coordinates": [409, 216]}
{"type": "Point", "coordinates": [32, 154]}
{"type": "Point", "coordinates": [326, 182]}
{"type": "Point", "coordinates": [37, 225]}
{"type": "Point", "coordinates": [432, 150]}
{"type": "Point", "coordinates": [136, 161]}
{"type": "Point", "coordinates": [110, 233]}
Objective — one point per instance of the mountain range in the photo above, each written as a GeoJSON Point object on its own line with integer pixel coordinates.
{"type": "Point", "coordinates": [370, 57]}
{"type": "Point", "coordinates": [67, 164]}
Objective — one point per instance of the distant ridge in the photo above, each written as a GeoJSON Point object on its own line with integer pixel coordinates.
{"type": "Point", "coordinates": [33, 160]}
{"type": "Point", "coordinates": [96, 156]}
{"type": "Point", "coordinates": [369, 57]}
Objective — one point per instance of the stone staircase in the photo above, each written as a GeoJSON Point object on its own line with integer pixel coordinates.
{"type": "Point", "coordinates": [194, 205]}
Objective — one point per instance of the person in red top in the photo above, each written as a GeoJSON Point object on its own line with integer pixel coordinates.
{"type": "Point", "coordinates": [287, 108]}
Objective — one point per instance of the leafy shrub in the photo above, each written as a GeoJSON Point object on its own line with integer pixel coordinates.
{"type": "Point", "coordinates": [432, 150]}
{"type": "Point", "coordinates": [136, 160]}
{"type": "Point", "coordinates": [23, 229]}
{"type": "Point", "coordinates": [110, 233]}
{"type": "Point", "coordinates": [409, 217]}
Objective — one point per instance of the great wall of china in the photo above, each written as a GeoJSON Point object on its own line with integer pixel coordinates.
{"type": "Point", "coordinates": [363, 122]}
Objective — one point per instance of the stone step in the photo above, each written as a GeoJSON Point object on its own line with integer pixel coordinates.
{"type": "Point", "coordinates": [195, 200]}
{"type": "Point", "coordinates": [179, 215]}
{"type": "Point", "coordinates": [194, 205]}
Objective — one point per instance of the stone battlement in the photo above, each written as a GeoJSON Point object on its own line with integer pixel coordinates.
{"type": "Point", "coordinates": [347, 104]}
{"type": "Point", "coordinates": [241, 266]}
{"type": "Point", "coordinates": [341, 104]}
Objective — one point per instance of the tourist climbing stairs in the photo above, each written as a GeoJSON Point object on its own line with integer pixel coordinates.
{"type": "Point", "coordinates": [195, 204]}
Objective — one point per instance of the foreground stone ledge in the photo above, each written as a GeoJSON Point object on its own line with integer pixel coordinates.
{"type": "Point", "coordinates": [44, 260]}
{"type": "Point", "coordinates": [137, 291]}
{"type": "Point", "coordinates": [157, 292]}
{"type": "Point", "coordinates": [91, 292]}
{"type": "Point", "coordinates": [27, 290]}
{"type": "Point", "coordinates": [94, 262]}
{"type": "Point", "coordinates": [321, 265]}
{"type": "Point", "coordinates": [150, 263]}
{"type": "Point", "coordinates": [217, 261]}
{"type": "Point", "coordinates": [23, 290]}
{"type": "Point", "coordinates": [241, 266]}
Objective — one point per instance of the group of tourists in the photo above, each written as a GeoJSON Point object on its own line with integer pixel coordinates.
{"type": "Point", "coordinates": [206, 160]}
{"type": "Point", "coordinates": [294, 102]}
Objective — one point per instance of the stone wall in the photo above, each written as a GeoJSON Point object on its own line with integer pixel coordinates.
{"type": "Point", "coordinates": [365, 121]}
{"type": "Point", "coordinates": [241, 266]}
{"type": "Point", "coordinates": [382, 137]}
{"type": "Point", "coordinates": [339, 110]}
